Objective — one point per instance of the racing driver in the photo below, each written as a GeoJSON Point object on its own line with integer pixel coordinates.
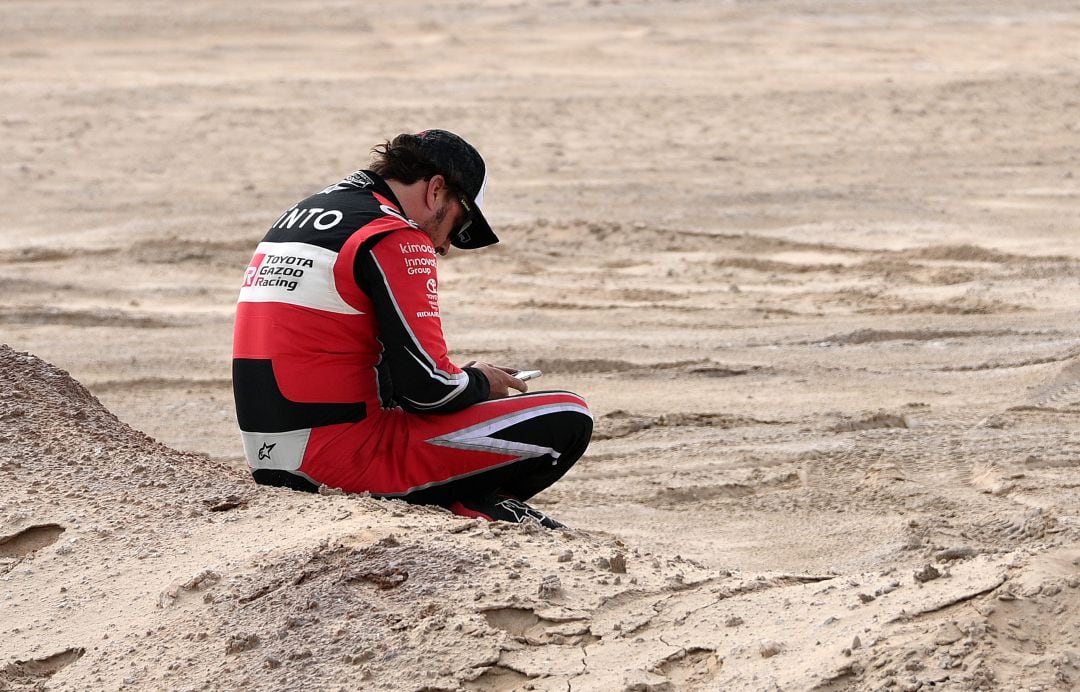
{"type": "Point", "coordinates": [340, 369]}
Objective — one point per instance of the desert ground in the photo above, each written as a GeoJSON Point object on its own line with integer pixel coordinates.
{"type": "Point", "coordinates": [815, 266]}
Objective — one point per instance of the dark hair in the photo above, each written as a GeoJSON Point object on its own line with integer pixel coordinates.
{"type": "Point", "coordinates": [403, 159]}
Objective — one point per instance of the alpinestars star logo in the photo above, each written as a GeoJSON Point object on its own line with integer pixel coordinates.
{"type": "Point", "coordinates": [520, 510]}
{"type": "Point", "coordinates": [264, 451]}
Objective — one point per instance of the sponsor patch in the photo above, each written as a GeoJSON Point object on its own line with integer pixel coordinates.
{"type": "Point", "coordinates": [269, 270]}
{"type": "Point", "coordinates": [419, 259]}
{"type": "Point", "coordinates": [294, 273]}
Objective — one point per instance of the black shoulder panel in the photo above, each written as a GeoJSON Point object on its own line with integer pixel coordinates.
{"type": "Point", "coordinates": [327, 218]}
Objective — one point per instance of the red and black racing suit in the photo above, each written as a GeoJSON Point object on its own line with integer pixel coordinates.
{"type": "Point", "coordinates": [341, 374]}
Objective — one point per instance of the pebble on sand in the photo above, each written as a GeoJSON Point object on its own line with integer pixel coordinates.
{"type": "Point", "coordinates": [769, 648]}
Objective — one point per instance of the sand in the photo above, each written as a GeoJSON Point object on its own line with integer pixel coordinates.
{"type": "Point", "coordinates": [813, 265]}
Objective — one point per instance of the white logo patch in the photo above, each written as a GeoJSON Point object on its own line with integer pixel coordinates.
{"type": "Point", "coordinates": [294, 273]}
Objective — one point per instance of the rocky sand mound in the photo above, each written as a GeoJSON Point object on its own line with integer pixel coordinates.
{"type": "Point", "coordinates": [125, 564]}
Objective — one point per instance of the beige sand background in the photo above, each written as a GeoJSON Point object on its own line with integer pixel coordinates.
{"type": "Point", "coordinates": [814, 265]}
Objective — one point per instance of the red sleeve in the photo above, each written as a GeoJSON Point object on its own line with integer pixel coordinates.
{"type": "Point", "coordinates": [398, 270]}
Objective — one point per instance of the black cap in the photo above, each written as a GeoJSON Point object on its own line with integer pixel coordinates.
{"type": "Point", "coordinates": [460, 163]}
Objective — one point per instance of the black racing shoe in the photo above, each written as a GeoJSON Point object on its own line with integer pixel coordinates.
{"type": "Point", "coordinates": [520, 511]}
{"type": "Point", "coordinates": [503, 508]}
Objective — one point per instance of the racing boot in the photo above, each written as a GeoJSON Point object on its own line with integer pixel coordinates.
{"type": "Point", "coordinates": [502, 508]}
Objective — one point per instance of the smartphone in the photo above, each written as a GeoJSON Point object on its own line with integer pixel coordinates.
{"type": "Point", "coordinates": [528, 374]}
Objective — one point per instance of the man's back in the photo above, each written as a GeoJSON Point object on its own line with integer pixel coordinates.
{"type": "Point", "coordinates": [304, 331]}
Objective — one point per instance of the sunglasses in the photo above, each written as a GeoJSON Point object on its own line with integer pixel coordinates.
{"type": "Point", "coordinates": [460, 233]}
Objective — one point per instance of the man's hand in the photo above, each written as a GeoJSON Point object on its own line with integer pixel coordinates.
{"type": "Point", "coordinates": [501, 379]}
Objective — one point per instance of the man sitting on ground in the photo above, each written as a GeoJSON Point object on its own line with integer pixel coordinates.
{"type": "Point", "coordinates": [340, 368]}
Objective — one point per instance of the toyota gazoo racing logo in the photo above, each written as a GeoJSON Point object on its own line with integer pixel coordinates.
{"type": "Point", "coordinates": [253, 269]}
{"type": "Point", "coordinates": [270, 271]}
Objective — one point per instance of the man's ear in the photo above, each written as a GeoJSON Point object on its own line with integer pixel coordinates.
{"type": "Point", "coordinates": [435, 184]}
